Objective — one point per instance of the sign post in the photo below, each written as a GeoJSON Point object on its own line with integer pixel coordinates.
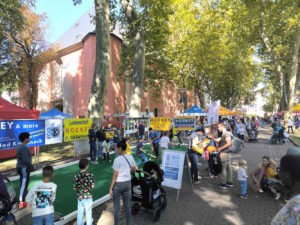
{"type": "Point", "coordinates": [173, 163]}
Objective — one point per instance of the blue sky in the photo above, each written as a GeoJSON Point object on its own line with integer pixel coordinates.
{"type": "Point", "coordinates": [61, 15]}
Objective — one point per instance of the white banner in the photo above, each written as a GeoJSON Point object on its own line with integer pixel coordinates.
{"type": "Point", "coordinates": [53, 131]}
{"type": "Point", "coordinates": [213, 112]}
{"type": "Point", "coordinates": [172, 165]}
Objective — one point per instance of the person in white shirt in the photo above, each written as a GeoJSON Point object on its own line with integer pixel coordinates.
{"type": "Point", "coordinates": [123, 165]}
{"type": "Point", "coordinates": [41, 198]}
{"type": "Point", "coordinates": [164, 144]}
{"type": "Point", "coordinates": [242, 178]}
{"type": "Point", "coordinates": [240, 129]}
{"type": "Point", "coordinates": [290, 125]}
{"type": "Point", "coordinates": [105, 149]}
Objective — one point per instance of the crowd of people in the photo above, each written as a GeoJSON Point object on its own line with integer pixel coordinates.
{"type": "Point", "coordinates": [266, 177]}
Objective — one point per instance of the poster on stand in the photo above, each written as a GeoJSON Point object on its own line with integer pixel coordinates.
{"type": "Point", "coordinates": [54, 131]}
{"type": "Point", "coordinates": [213, 112]}
{"type": "Point", "coordinates": [76, 129]}
{"type": "Point", "coordinates": [11, 129]}
{"type": "Point", "coordinates": [160, 123]}
{"type": "Point", "coordinates": [184, 123]}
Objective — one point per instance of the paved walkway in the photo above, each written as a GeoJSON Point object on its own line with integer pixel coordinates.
{"type": "Point", "coordinates": [210, 205]}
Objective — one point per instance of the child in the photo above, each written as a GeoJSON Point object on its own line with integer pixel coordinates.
{"type": "Point", "coordinates": [140, 152]}
{"type": "Point", "coordinates": [242, 178]}
{"type": "Point", "coordinates": [24, 167]}
{"type": "Point", "coordinates": [128, 148]}
{"type": "Point", "coordinates": [41, 197]}
{"type": "Point", "coordinates": [164, 143]}
{"type": "Point", "coordinates": [84, 183]}
{"type": "Point", "coordinates": [105, 148]}
{"type": "Point", "coordinates": [274, 183]}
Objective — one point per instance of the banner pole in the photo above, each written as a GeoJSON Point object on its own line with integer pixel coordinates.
{"type": "Point", "coordinates": [177, 197]}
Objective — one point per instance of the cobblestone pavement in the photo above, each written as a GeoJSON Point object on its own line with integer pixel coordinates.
{"type": "Point", "coordinates": [210, 205]}
{"type": "Point", "coordinates": [206, 204]}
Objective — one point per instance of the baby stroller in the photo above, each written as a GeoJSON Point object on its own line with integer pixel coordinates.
{"type": "Point", "coordinates": [279, 137]}
{"type": "Point", "coordinates": [147, 192]}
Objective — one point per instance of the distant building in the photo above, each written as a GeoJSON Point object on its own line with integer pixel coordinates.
{"type": "Point", "coordinates": [66, 82]}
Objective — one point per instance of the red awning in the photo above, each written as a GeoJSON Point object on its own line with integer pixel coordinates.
{"type": "Point", "coordinates": [9, 111]}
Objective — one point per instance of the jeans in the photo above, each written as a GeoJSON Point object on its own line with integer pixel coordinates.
{"type": "Point", "coordinates": [290, 127]}
{"type": "Point", "coordinates": [194, 164]}
{"type": "Point", "coordinates": [93, 151]}
{"type": "Point", "coordinates": [44, 219]}
{"type": "Point", "coordinates": [156, 150]}
{"type": "Point", "coordinates": [143, 158]}
{"type": "Point", "coordinates": [100, 152]}
{"type": "Point", "coordinates": [226, 168]}
{"type": "Point", "coordinates": [162, 153]}
{"type": "Point", "coordinates": [24, 174]}
{"type": "Point", "coordinates": [85, 205]}
{"type": "Point", "coordinates": [122, 189]}
{"type": "Point", "coordinates": [243, 184]}
{"type": "Point", "coordinates": [241, 136]}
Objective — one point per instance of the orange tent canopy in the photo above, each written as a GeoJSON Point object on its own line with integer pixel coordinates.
{"type": "Point", "coordinates": [225, 112]}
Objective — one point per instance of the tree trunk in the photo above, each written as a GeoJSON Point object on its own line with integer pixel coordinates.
{"type": "Point", "coordinates": [294, 71]}
{"type": "Point", "coordinates": [102, 66]}
{"type": "Point", "coordinates": [30, 83]}
{"type": "Point", "coordinates": [138, 74]}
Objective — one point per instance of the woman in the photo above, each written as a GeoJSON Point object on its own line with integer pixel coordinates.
{"type": "Point", "coordinates": [259, 175]}
{"type": "Point", "coordinates": [121, 182]}
{"type": "Point", "coordinates": [290, 177]}
{"type": "Point", "coordinates": [240, 129]}
{"type": "Point", "coordinates": [210, 150]}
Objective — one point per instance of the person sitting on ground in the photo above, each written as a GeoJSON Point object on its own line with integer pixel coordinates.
{"type": "Point", "coordinates": [273, 181]}
{"type": "Point", "coordinates": [290, 177]}
{"type": "Point", "coordinates": [24, 167]}
{"type": "Point", "coordinates": [121, 182]}
{"type": "Point", "coordinates": [106, 150]}
{"type": "Point", "coordinates": [41, 197]}
{"type": "Point", "coordinates": [128, 148]}
{"type": "Point", "coordinates": [140, 152]}
{"type": "Point", "coordinates": [242, 178]}
{"type": "Point", "coordinates": [164, 143]}
{"type": "Point", "coordinates": [84, 183]}
{"type": "Point", "coordinates": [259, 175]}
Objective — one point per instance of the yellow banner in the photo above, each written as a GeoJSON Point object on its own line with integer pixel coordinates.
{"type": "Point", "coordinates": [76, 129]}
{"type": "Point", "coordinates": [160, 123]}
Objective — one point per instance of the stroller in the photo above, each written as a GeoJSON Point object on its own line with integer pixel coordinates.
{"type": "Point", "coordinates": [279, 137]}
{"type": "Point", "coordinates": [147, 191]}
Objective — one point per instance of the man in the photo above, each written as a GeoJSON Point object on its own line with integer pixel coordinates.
{"type": "Point", "coordinates": [290, 125]}
{"type": "Point", "coordinates": [100, 134]}
{"type": "Point", "coordinates": [193, 156]}
{"type": "Point", "coordinates": [141, 130]}
{"type": "Point", "coordinates": [154, 140]}
{"type": "Point", "coordinates": [115, 139]}
{"type": "Point", "coordinates": [224, 144]}
{"type": "Point", "coordinates": [24, 167]}
{"type": "Point", "coordinates": [92, 141]}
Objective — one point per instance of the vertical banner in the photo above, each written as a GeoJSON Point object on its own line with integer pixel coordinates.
{"type": "Point", "coordinates": [54, 131]}
{"type": "Point", "coordinates": [184, 123]}
{"type": "Point", "coordinates": [10, 130]}
{"type": "Point", "coordinates": [160, 123]}
{"type": "Point", "coordinates": [213, 112]}
{"type": "Point", "coordinates": [76, 129]}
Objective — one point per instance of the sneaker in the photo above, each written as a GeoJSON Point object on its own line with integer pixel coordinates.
{"type": "Point", "coordinates": [244, 196]}
{"type": "Point", "coordinates": [26, 204]}
{"type": "Point", "coordinates": [109, 160]}
{"type": "Point", "coordinates": [197, 182]}
{"type": "Point", "coordinates": [278, 195]}
{"type": "Point", "coordinates": [260, 190]}
{"type": "Point", "coordinates": [21, 205]}
{"type": "Point", "coordinates": [223, 186]}
{"type": "Point", "coordinates": [230, 185]}
{"type": "Point", "coordinates": [96, 163]}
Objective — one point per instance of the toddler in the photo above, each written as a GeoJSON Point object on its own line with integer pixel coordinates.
{"type": "Point", "coordinates": [242, 178]}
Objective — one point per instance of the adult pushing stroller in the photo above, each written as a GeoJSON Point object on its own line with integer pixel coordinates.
{"type": "Point", "coordinates": [147, 192]}
{"type": "Point", "coordinates": [252, 132]}
{"type": "Point", "coordinates": [279, 137]}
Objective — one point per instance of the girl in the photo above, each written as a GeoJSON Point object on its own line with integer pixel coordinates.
{"type": "Point", "coordinates": [242, 178]}
{"type": "Point", "coordinates": [274, 183]}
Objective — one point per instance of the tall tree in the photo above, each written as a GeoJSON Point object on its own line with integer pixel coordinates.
{"type": "Point", "coordinates": [102, 66]}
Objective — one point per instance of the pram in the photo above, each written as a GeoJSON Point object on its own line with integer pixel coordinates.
{"type": "Point", "coordinates": [252, 135]}
{"type": "Point", "coordinates": [147, 191]}
{"type": "Point", "coordinates": [279, 137]}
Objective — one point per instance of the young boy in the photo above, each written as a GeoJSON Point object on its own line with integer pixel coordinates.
{"type": "Point", "coordinates": [164, 144]}
{"type": "Point", "coordinates": [140, 152]}
{"type": "Point", "coordinates": [128, 148]}
{"type": "Point", "coordinates": [24, 167]}
{"type": "Point", "coordinates": [106, 147]}
{"type": "Point", "coordinates": [242, 178]}
{"type": "Point", "coordinates": [41, 197]}
{"type": "Point", "coordinates": [84, 183]}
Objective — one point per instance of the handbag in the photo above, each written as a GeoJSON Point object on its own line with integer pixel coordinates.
{"type": "Point", "coordinates": [131, 171]}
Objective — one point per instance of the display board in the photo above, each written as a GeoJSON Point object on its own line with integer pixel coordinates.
{"type": "Point", "coordinates": [172, 165]}
{"type": "Point", "coordinates": [213, 112]}
{"type": "Point", "coordinates": [76, 129]}
{"type": "Point", "coordinates": [54, 131]}
{"type": "Point", "coordinates": [160, 123]}
{"type": "Point", "coordinates": [10, 130]}
{"type": "Point", "coordinates": [184, 123]}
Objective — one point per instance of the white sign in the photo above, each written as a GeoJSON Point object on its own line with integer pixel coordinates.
{"type": "Point", "coordinates": [53, 131]}
{"type": "Point", "coordinates": [213, 112]}
{"type": "Point", "coordinates": [172, 165]}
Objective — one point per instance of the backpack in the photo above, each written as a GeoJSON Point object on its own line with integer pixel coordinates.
{"type": "Point", "coordinates": [216, 164]}
{"type": "Point", "coordinates": [10, 205]}
{"type": "Point", "coordinates": [236, 145]}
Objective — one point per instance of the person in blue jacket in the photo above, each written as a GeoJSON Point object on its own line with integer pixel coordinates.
{"type": "Point", "coordinates": [154, 140]}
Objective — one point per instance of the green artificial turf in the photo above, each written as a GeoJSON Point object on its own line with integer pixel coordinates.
{"type": "Point", "coordinates": [66, 198]}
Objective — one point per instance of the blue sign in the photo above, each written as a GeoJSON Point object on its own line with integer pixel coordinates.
{"type": "Point", "coordinates": [10, 130]}
{"type": "Point", "coordinates": [184, 123]}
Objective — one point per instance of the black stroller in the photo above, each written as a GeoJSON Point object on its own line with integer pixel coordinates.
{"type": "Point", "coordinates": [147, 192]}
{"type": "Point", "coordinates": [279, 137]}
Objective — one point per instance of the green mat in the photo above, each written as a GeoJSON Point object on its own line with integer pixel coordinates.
{"type": "Point", "coordinates": [66, 198]}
